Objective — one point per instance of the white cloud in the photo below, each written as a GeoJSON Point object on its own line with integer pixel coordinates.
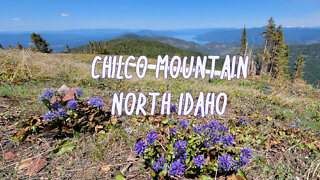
{"type": "Point", "coordinates": [16, 19]}
{"type": "Point", "coordinates": [64, 15]}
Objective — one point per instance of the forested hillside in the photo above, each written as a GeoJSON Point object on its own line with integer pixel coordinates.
{"type": "Point", "coordinates": [134, 47]}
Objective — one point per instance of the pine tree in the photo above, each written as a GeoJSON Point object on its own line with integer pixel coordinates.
{"type": "Point", "coordinates": [40, 43]}
{"type": "Point", "coordinates": [1, 47]}
{"type": "Point", "coordinates": [276, 53]}
{"type": "Point", "coordinates": [19, 46]}
{"type": "Point", "coordinates": [67, 49]}
{"type": "Point", "coordinates": [9, 46]}
{"type": "Point", "coordinates": [299, 65]}
{"type": "Point", "coordinates": [243, 44]}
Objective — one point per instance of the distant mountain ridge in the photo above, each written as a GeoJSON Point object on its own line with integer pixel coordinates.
{"type": "Point", "coordinates": [59, 39]}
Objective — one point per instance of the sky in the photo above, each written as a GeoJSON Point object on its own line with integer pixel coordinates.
{"type": "Point", "coordinates": [53, 15]}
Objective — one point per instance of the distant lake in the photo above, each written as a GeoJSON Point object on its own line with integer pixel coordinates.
{"type": "Point", "coordinates": [190, 38]}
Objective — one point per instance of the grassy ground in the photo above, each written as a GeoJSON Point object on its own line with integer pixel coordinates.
{"type": "Point", "coordinates": [279, 151]}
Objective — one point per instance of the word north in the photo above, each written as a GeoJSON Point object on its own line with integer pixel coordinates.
{"type": "Point", "coordinates": [205, 104]}
{"type": "Point", "coordinates": [117, 67]}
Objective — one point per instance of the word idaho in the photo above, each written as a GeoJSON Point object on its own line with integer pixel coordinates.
{"type": "Point", "coordinates": [133, 103]}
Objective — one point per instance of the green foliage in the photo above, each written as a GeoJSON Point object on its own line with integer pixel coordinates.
{"type": "Point", "coordinates": [67, 49]}
{"type": "Point", "coordinates": [275, 56]}
{"type": "Point", "coordinates": [1, 47]}
{"type": "Point", "coordinates": [243, 44]}
{"type": "Point", "coordinates": [19, 46]}
{"type": "Point", "coordinates": [185, 143]}
{"type": "Point", "coordinates": [133, 47]}
{"type": "Point", "coordinates": [299, 65]}
{"type": "Point", "coordinates": [40, 44]}
{"type": "Point", "coordinates": [84, 118]}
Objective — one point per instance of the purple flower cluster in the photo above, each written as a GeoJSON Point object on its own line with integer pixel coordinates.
{"type": "Point", "coordinates": [56, 105]}
{"type": "Point", "coordinates": [172, 131]}
{"type": "Point", "coordinates": [176, 168]}
{"type": "Point", "coordinates": [228, 140]}
{"type": "Point", "coordinates": [157, 166]}
{"type": "Point", "coordinates": [223, 129]}
{"type": "Point", "coordinates": [180, 145]}
{"type": "Point", "coordinates": [72, 104]}
{"type": "Point", "coordinates": [96, 101]}
{"type": "Point", "coordinates": [199, 160]}
{"type": "Point", "coordinates": [243, 121]}
{"type": "Point", "coordinates": [61, 112]}
{"type": "Point", "coordinates": [79, 92]}
{"type": "Point", "coordinates": [140, 147]}
{"type": "Point", "coordinates": [225, 162]}
{"type": "Point", "coordinates": [246, 152]}
{"type": "Point", "coordinates": [184, 124]}
{"type": "Point", "coordinates": [47, 95]}
{"type": "Point", "coordinates": [173, 108]}
{"type": "Point", "coordinates": [151, 138]}
{"type": "Point", "coordinates": [49, 115]}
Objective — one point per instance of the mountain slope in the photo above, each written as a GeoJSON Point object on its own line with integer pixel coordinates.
{"type": "Point", "coordinates": [136, 47]}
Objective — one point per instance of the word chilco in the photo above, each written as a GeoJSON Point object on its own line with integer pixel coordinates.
{"type": "Point", "coordinates": [112, 67]}
{"type": "Point", "coordinates": [185, 107]}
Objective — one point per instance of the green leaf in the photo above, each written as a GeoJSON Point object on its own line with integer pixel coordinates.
{"type": "Point", "coordinates": [165, 121]}
{"type": "Point", "coordinates": [120, 176]}
{"type": "Point", "coordinates": [63, 147]}
{"type": "Point", "coordinates": [204, 177]}
{"type": "Point", "coordinates": [241, 173]}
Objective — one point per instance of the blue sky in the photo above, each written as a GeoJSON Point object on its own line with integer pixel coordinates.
{"type": "Point", "coordinates": [29, 15]}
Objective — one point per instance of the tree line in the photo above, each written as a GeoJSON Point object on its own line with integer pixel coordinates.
{"type": "Point", "coordinates": [273, 60]}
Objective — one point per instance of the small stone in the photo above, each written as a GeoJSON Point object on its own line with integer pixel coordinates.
{"type": "Point", "coordinates": [36, 166]}
{"type": "Point", "coordinates": [105, 168]}
{"type": "Point", "coordinates": [9, 156]}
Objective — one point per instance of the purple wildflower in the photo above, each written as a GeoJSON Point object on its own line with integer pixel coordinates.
{"type": "Point", "coordinates": [199, 160]}
{"type": "Point", "coordinates": [140, 147]}
{"type": "Point", "coordinates": [214, 124]}
{"type": "Point", "coordinates": [79, 92]}
{"type": "Point", "coordinates": [56, 105]}
{"type": "Point", "coordinates": [72, 104]}
{"type": "Point", "coordinates": [184, 123]}
{"type": "Point", "coordinates": [180, 145]}
{"type": "Point", "coordinates": [197, 129]}
{"type": "Point", "coordinates": [182, 155]}
{"type": "Point", "coordinates": [241, 118]}
{"type": "Point", "coordinates": [173, 108]}
{"type": "Point", "coordinates": [152, 136]}
{"type": "Point", "coordinates": [242, 161]}
{"type": "Point", "coordinates": [225, 162]}
{"type": "Point", "coordinates": [49, 115]}
{"type": "Point", "coordinates": [159, 164]}
{"type": "Point", "coordinates": [176, 168]}
{"type": "Point", "coordinates": [48, 94]}
{"type": "Point", "coordinates": [228, 140]}
{"type": "Point", "coordinates": [246, 152]}
{"type": "Point", "coordinates": [61, 112]}
{"type": "Point", "coordinates": [223, 129]}
{"type": "Point", "coordinates": [172, 131]}
{"type": "Point", "coordinates": [97, 102]}
{"type": "Point", "coordinates": [293, 126]}
{"type": "Point", "coordinates": [245, 123]}
{"type": "Point", "coordinates": [298, 121]}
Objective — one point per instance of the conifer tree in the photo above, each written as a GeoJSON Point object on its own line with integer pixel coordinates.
{"type": "Point", "coordinates": [276, 53]}
{"type": "Point", "coordinates": [1, 47]}
{"type": "Point", "coordinates": [67, 49]}
{"type": "Point", "coordinates": [19, 46]}
{"type": "Point", "coordinates": [40, 44]}
{"type": "Point", "coordinates": [9, 46]}
{"type": "Point", "coordinates": [243, 44]}
{"type": "Point", "coordinates": [299, 65]}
